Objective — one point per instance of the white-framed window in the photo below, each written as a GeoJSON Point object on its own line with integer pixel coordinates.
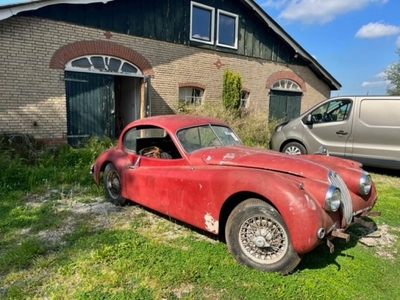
{"type": "Point", "coordinates": [286, 85]}
{"type": "Point", "coordinates": [191, 95]}
{"type": "Point", "coordinates": [103, 64]}
{"type": "Point", "coordinates": [244, 99]}
{"type": "Point", "coordinates": [227, 29]}
{"type": "Point", "coordinates": [202, 23]}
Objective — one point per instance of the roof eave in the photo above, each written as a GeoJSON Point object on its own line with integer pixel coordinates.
{"type": "Point", "coordinates": [7, 11]}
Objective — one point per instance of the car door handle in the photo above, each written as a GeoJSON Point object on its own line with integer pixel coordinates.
{"type": "Point", "coordinates": [341, 132]}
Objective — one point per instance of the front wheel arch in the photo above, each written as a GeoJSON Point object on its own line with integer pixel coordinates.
{"type": "Point", "coordinates": [229, 205]}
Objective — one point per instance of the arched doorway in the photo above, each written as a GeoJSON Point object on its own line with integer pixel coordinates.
{"type": "Point", "coordinates": [285, 100]}
{"type": "Point", "coordinates": [106, 90]}
{"type": "Point", "coordinates": [102, 95]}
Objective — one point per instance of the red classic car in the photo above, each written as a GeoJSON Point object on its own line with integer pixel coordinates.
{"type": "Point", "coordinates": [269, 207]}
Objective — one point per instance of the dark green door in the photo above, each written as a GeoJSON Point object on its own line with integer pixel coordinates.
{"type": "Point", "coordinates": [90, 106]}
{"type": "Point", "coordinates": [284, 105]}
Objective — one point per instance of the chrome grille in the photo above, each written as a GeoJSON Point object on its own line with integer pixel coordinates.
{"type": "Point", "coordinates": [346, 203]}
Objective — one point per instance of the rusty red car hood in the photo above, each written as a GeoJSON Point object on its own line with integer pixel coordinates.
{"type": "Point", "coordinates": [243, 156]}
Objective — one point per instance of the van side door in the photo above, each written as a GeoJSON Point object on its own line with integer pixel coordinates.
{"type": "Point", "coordinates": [330, 125]}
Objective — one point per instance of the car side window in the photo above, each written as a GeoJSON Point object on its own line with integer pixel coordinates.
{"type": "Point", "coordinates": [333, 111]}
{"type": "Point", "coordinates": [129, 140]}
{"type": "Point", "coordinates": [151, 142]}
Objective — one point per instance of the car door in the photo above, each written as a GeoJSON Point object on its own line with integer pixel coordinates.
{"type": "Point", "coordinates": [330, 126]}
{"type": "Point", "coordinates": [175, 188]}
{"type": "Point", "coordinates": [149, 182]}
{"type": "Point", "coordinates": [194, 199]}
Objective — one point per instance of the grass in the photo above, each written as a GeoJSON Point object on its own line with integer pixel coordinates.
{"type": "Point", "coordinates": [60, 240]}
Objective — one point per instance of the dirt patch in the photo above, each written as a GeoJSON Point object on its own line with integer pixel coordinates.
{"type": "Point", "coordinates": [100, 214]}
{"type": "Point", "coordinates": [383, 240]}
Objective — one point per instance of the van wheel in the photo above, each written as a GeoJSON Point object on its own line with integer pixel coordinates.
{"type": "Point", "coordinates": [294, 148]}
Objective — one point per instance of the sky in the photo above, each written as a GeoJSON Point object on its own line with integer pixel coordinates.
{"type": "Point", "coordinates": [354, 40]}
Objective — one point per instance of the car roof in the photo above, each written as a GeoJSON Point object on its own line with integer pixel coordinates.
{"type": "Point", "coordinates": [175, 122]}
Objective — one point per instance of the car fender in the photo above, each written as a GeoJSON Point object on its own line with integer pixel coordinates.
{"type": "Point", "coordinates": [303, 215]}
{"type": "Point", "coordinates": [115, 156]}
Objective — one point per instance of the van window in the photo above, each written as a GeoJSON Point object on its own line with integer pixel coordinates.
{"type": "Point", "coordinates": [380, 112]}
{"type": "Point", "coordinates": [333, 111]}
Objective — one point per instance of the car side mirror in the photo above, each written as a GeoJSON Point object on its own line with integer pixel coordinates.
{"type": "Point", "coordinates": [308, 119]}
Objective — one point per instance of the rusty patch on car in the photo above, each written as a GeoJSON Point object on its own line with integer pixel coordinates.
{"type": "Point", "coordinates": [211, 223]}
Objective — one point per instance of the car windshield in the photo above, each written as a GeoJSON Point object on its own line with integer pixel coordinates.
{"type": "Point", "coordinates": [199, 137]}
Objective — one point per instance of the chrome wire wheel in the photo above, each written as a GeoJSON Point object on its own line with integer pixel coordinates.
{"type": "Point", "coordinates": [263, 240]}
{"type": "Point", "coordinates": [258, 237]}
{"type": "Point", "coordinates": [113, 184]}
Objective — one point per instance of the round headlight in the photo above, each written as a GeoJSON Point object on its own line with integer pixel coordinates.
{"type": "Point", "coordinates": [365, 184]}
{"type": "Point", "coordinates": [332, 199]}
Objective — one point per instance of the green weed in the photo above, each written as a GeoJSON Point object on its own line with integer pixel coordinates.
{"type": "Point", "coordinates": [52, 249]}
{"type": "Point", "coordinates": [251, 126]}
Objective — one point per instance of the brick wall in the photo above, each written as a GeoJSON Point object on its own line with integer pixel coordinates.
{"type": "Point", "coordinates": [32, 91]}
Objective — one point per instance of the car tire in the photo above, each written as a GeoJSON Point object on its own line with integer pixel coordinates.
{"type": "Point", "coordinates": [257, 237]}
{"type": "Point", "coordinates": [112, 185]}
{"type": "Point", "coordinates": [294, 148]}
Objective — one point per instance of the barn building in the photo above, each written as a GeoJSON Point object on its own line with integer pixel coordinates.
{"type": "Point", "coordinates": [76, 68]}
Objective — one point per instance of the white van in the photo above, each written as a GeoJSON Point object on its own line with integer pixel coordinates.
{"type": "Point", "coordinates": [362, 128]}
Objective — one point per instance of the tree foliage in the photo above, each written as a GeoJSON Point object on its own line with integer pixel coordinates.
{"type": "Point", "coordinates": [232, 90]}
{"type": "Point", "coordinates": [393, 76]}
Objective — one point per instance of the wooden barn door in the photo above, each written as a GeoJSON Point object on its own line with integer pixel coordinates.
{"type": "Point", "coordinates": [90, 106]}
{"type": "Point", "coordinates": [284, 105]}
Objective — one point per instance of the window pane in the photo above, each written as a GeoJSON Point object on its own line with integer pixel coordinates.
{"type": "Point", "coordinates": [152, 132]}
{"type": "Point", "coordinates": [130, 140]}
{"type": "Point", "coordinates": [81, 63]}
{"type": "Point", "coordinates": [191, 95]}
{"type": "Point", "coordinates": [98, 62]}
{"type": "Point", "coordinates": [226, 30]}
{"type": "Point", "coordinates": [127, 68]}
{"type": "Point", "coordinates": [333, 111]}
{"type": "Point", "coordinates": [104, 64]}
{"type": "Point", "coordinates": [190, 139]}
{"type": "Point", "coordinates": [201, 24]}
{"type": "Point", "coordinates": [226, 136]}
{"type": "Point", "coordinates": [286, 84]}
{"type": "Point", "coordinates": [114, 64]}
{"type": "Point", "coordinates": [243, 99]}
